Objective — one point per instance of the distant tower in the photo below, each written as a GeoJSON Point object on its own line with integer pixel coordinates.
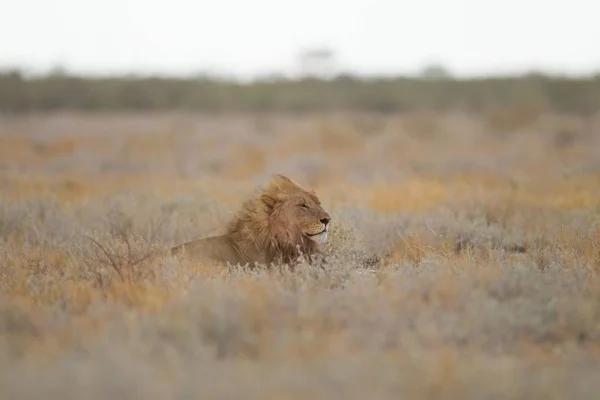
{"type": "Point", "coordinates": [316, 63]}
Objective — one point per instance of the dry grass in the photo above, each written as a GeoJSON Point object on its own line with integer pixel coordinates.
{"type": "Point", "coordinates": [463, 263]}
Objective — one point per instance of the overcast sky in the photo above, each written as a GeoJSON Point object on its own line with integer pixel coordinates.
{"type": "Point", "coordinates": [248, 37]}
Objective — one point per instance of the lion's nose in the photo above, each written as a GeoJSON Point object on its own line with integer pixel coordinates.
{"type": "Point", "coordinates": [325, 220]}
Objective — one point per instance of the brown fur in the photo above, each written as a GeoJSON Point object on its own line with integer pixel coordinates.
{"type": "Point", "coordinates": [275, 226]}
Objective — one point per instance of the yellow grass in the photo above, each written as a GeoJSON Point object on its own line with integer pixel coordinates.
{"type": "Point", "coordinates": [463, 263]}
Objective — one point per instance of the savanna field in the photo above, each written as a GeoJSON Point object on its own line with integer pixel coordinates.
{"type": "Point", "coordinates": [464, 257]}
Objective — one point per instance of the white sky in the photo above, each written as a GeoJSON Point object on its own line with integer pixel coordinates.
{"type": "Point", "coordinates": [246, 37]}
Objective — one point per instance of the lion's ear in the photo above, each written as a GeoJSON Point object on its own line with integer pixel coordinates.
{"type": "Point", "coordinates": [281, 178]}
{"type": "Point", "coordinates": [268, 200]}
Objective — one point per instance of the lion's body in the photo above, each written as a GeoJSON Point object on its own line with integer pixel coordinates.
{"type": "Point", "coordinates": [213, 248]}
{"type": "Point", "coordinates": [278, 225]}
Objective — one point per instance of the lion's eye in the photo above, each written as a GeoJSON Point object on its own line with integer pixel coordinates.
{"type": "Point", "coordinates": [303, 205]}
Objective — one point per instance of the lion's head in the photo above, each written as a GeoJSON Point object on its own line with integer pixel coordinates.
{"type": "Point", "coordinates": [282, 221]}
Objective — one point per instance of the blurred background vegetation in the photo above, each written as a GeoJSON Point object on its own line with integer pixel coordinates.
{"type": "Point", "coordinates": [434, 89]}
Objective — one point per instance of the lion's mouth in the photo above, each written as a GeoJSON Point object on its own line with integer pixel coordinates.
{"type": "Point", "coordinates": [318, 233]}
{"type": "Point", "coordinates": [319, 237]}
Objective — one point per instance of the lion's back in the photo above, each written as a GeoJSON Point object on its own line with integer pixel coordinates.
{"type": "Point", "coordinates": [213, 248]}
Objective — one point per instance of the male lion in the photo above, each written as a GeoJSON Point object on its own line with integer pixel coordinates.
{"type": "Point", "coordinates": [283, 221]}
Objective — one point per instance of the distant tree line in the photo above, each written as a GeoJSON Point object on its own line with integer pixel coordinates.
{"type": "Point", "coordinates": [55, 91]}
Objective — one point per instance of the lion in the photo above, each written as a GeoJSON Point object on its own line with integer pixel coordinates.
{"type": "Point", "coordinates": [279, 224]}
